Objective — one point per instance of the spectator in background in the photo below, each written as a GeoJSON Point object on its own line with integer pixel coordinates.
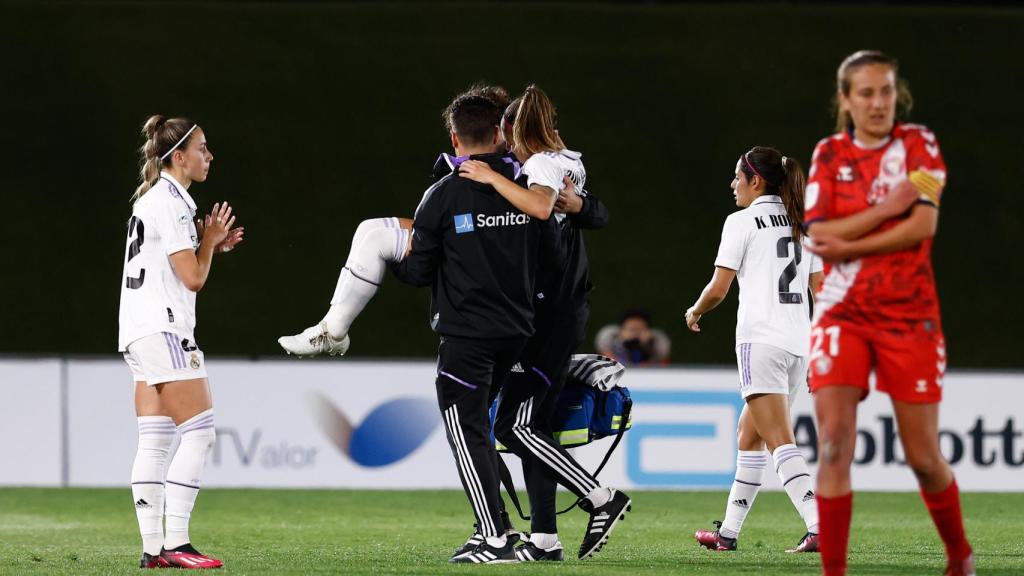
{"type": "Point", "coordinates": [633, 342]}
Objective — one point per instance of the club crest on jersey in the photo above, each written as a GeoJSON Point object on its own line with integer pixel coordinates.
{"type": "Point", "coordinates": [463, 223]}
{"type": "Point", "coordinates": [194, 361]}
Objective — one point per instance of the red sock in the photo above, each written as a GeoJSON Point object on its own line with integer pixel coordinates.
{"type": "Point", "coordinates": [834, 532]}
{"type": "Point", "coordinates": [944, 507]}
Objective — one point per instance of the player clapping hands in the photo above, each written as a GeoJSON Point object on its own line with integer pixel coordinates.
{"type": "Point", "coordinates": [217, 227]}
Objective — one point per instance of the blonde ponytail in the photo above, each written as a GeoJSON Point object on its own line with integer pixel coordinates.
{"type": "Point", "coordinates": [162, 136]}
{"type": "Point", "coordinates": [149, 170]}
{"type": "Point", "coordinates": [535, 128]}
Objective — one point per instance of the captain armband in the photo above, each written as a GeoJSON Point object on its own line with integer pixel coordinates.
{"type": "Point", "coordinates": [927, 185]}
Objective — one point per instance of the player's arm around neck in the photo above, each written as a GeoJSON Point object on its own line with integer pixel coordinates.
{"type": "Point", "coordinates": [538, 201]}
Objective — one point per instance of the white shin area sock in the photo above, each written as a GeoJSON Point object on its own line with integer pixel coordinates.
{"type": "Point", "coordinates": [750, 467]}
{"type": "Point", "coordinates": [185, 475]}
{"type": "Point", "coordinates": [544, 541]}
{"type": "Point", "coordinates": [375, 243]}
{"type": "Point", "coordinates": [156, 434]}
{"type": "Point", "coordinates": [796, 479]}
{"type": "Point", "coordinates": [599, 496]}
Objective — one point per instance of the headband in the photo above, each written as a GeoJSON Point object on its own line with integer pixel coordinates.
{"type": "Point", "coordinates": [751, 166]}
{"type": "Point", "coordinates": [183, 138]}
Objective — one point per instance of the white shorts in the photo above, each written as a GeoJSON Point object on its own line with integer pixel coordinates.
{"type": "Point", "coordinates": [164, 357]}
{"type": "Point", "coordinates": [765, 369]}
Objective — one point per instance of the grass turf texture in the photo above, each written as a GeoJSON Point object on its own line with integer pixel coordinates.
{"type": "Point", "coordinates": [93, 531]}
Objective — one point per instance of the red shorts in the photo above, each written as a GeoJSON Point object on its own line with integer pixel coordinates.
{"type": "Point", "coordinates": [909, 366]}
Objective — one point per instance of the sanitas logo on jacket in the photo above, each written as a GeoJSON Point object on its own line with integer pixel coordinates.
{"type": "Point", "coordinates": [467, 223]}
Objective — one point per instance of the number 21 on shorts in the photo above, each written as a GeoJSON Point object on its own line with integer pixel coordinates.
{"type": "Point", "coordinates": [818, 336]}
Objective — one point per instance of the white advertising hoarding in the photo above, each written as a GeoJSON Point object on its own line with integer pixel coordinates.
{"type": "Point", "coordinates": [341, 423]}
{"type": "Point", "coordinates": [30, 422]}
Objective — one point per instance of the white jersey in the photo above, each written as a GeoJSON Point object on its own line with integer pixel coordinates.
{"type": "Point", "coordinates": [153, 298]}
{"type": "Point", "coordinates": [550, 169]}
{"type": "Point", "coordinates": [773, 273]}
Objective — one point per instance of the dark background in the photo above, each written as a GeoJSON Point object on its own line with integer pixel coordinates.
{"type": "Point", "coordinates": [323, 114]}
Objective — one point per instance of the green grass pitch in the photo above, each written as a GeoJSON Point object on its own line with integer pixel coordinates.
{"type": "Point", "coordinates": [93, 531]}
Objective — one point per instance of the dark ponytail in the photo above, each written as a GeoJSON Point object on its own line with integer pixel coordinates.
{"type": "Point", "coordinates": [782, 176]}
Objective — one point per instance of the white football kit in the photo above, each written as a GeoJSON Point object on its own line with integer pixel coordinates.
{"type": "Point", "coordinates": [158, 313]}
{"type": "Point", "coordinates": [550, 169]}
{"type": "Point", "coordinates": [773, 322]}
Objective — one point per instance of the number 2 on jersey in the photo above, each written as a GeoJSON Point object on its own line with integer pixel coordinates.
{"type": "Point", "coordinates": [789, 272]}
{"type": "Point", "coordinates": [135, 225]}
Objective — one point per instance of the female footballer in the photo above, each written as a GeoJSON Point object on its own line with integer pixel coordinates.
{"type": "Point", "coordinates": [872, 208]}
{"type": "Point", "coordinates": [762, 247]}
{"type": "Point", "coordinates": [167, 260]}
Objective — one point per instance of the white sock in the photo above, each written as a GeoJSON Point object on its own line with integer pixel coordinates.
{"type": "Point", "coordinates": [544, 541]}
{"type": "Point", "coordinates": [599, 496]}
{"type": "Point", "coordinates": [156, 433]}
{"type": "Point", "coordinates": [185, 475]}
{"type": "Point", "coordinates": [750, 467]}
{"type": "Point", "coordinates": [496, 541]}
{"type": "Point", "coordinates": [796, 479]}
{"type": "Point", "coordinates": [375, 243]}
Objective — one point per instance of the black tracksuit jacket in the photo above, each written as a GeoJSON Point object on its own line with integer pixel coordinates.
{"type": "Point", "coordinates": [480, 254]}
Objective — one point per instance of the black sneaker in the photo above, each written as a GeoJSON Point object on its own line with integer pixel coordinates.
{"type": "Point", "coordinates": [476, 539]}
{"type": "Point", "coordinates": [602, 521]}
{"type": "Point", "coordinates": [530, 552]}
{"type": "Point", "coordinates": [487, 554]}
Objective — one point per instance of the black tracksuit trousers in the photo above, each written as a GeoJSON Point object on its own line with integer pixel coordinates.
{"type": "Point", "coordinates": [467, 369]}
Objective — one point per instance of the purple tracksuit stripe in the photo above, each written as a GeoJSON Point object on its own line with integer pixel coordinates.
{"type": "Point", "coordinates": [542, 375]}
{"type": "Point", "coordinates": [460, 381]}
